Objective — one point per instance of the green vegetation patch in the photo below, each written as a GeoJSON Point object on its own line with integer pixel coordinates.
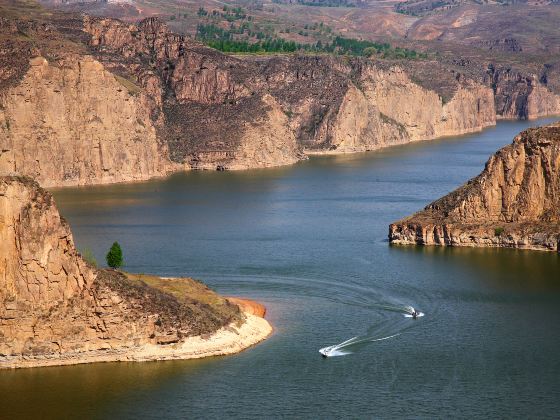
{"type": "Point", "coordinates": [357, 47]}
{"type": "Point", "coordinates": [115, 256]}
{"type": "Point", "coordinates": [242, 39]}
{"type": "Point", "coordinates": [88, 256]}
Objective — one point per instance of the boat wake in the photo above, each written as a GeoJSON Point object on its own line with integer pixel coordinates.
{"type": "Point", "coordinates": [410, 310]}
{"type": "Point", "coordinates": [379, 332]}
{"type": "Point", "coordinates": [343, 348]}
{"type": "Point", "coordinates": [381, 300]}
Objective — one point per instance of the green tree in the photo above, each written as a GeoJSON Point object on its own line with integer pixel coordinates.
{"type": "Point", "coordinates": [114, 256]}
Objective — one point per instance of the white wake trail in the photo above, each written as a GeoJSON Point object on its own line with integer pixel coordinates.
{"type": "Point", "coordinates": [338, 349]}
{"type": "Point", "coordinates": [342, 349]}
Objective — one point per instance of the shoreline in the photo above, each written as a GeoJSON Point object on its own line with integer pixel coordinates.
{"type": "Point", "coordinates": [228, 340]}
{"type": "Point", "coordinates": [512, 203]}
{"type": "Point", "coordinates": [248, 306]}
{"type": "Point", "coordinates": [307, 153]}
{"type": "Point", "coordinates": [526, 236]}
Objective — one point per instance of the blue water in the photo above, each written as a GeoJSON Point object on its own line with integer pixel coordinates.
{"type": "Point", "coordinates": [309, 241]}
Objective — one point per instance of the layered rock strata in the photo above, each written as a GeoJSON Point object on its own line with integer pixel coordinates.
{"type": "Point", "coordinates": [316, 104]}
{"type": "Point", "coordinates": [522, 96]}
{"type": "Point", "coordinates": [514, 202]}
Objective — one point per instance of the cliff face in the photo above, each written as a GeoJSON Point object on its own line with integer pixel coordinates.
{"type": "Point", "coordinates": [331, 105]}
{"type": "Point", "coordinates": [55, 309]}
{"type": "Point", "coordinates": [74, 123]}
{"type": "Point", "coordinates": [39, 263]}
{"type": "Point", "coordinates": [514, 202]}
{"type": "Point", "coordinates": [522, 96]}
{"type": "Point", "coordinates": [422, 112]}
{"type": "Point", "coordinates": [388, 108]}
{"type": "Point", "coordinates": [211, 115]}
{"type": "Point", "coordinates": [124, 102]}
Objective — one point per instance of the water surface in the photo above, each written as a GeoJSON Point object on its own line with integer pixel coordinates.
{"type": "Point", "coordinates": [309, 241]}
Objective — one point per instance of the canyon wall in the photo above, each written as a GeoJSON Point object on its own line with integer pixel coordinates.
{"type": "Point", "coordinates": [224, 109]}
{"type": "Point", "coordinates": [514, 202]}
{"type": "Point", "coordinates": [72, 123]}
{"type": "Point", "coordinates": [422, 113]}
{"type": "Point", "coordinates": [520, 95]}
{"type": "Point", "coordinates": [57, 309]}
{"type": "Point", "coordinates": [132, 102]}
{"type": "Point", "coordinates": [389, 109]}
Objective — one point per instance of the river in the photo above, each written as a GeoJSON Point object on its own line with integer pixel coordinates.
{"type": "Point", "coordinates": [310, 242]}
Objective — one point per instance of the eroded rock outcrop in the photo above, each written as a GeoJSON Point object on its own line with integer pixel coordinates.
{"type": "Point", "coordinates": [422, 112]}
{"type": "Point", "coordinates": [521, 95]}
{"type": "Point", "coordinates": [72, 123]}
{"type": "Point", "coordinates": [328, 105]}
{"type": "Point", "coordinates": [56, 309]}
{"type": "Point", "coordinates": [123, 102]}
{"type": "Point", "coordinates": [514, 202]}
{"type": "Point", "coordinates": [388, 108]}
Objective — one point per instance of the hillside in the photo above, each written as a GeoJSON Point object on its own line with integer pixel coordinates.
{"type": "Point", "coordinates": [92, 100]}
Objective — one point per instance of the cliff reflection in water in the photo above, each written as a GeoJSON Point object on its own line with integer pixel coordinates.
{"type": "Point", "coordinates": [507, 270]}
{"type": "Point", "coordinates": [80, 391]}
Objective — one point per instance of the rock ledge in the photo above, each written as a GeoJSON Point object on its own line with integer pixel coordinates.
{"type": "Point", "coordinates": [514, 202]}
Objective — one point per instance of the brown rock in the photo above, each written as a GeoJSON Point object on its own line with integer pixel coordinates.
{"type": "Point", "coordinates": [55, 309]}
{"type": "Point", "coordinates": [123, 102]}
{"type": "Point", "coordinates": [520, 95]}
{"type": "Point", "coordinates": [514, 202]}
{"type": "Point", "coordinates": [249, 306]}
{"type": "Point", "coordinates": [237, 113]}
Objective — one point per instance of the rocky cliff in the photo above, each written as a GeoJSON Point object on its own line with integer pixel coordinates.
{"type": "Point", "coordinates": [514, 202]}
{"type": "Point", "coordinates": [56, 309]}
{"type": "Point", "coordinates": [72, 122]}
{"type": "Point", "coordinates": [329, 104]}
{"type": "Point", "coordinates": [520, 95]}
{"type": "Point", "coordinates": [422, 112]}
{"type": "Point", "coordinates": [94, 100]}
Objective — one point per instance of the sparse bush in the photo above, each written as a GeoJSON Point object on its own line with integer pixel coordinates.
{"type": "Point", "coordinates": [369, 51]}
{"type": "Point", "coordinates": [131, 87]}
{"type": "Point", "coordinates": [498, 231]}
{"type": "Point", "coordinates": [88, 256]}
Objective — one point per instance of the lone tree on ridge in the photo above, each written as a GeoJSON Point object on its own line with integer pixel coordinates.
{"type": "Point", "coordinates": [114, 256]}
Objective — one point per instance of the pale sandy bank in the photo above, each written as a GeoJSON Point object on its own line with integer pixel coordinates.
{"type": "Point", "coordinates": [227, 340]}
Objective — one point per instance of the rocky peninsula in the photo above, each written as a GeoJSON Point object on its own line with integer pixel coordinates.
{"type": "Point", "coordinates": [56, 309]}
{"type": "Point", "coordinates": [514, 202]}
